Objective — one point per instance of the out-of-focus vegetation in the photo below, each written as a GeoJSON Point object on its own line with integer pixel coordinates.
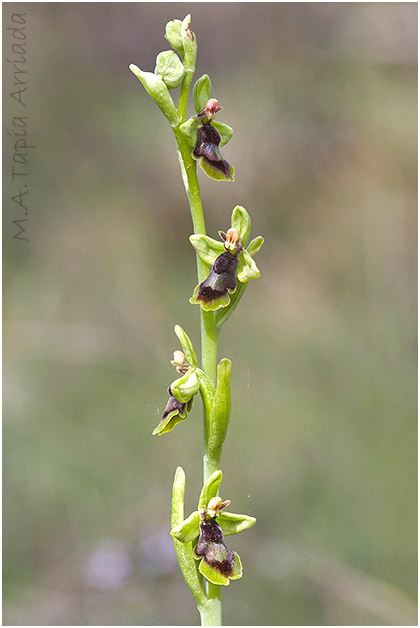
{"type": "Point", "coordinates": [322, 442]}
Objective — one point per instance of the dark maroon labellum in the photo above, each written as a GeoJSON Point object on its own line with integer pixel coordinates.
{"type": "Point", "coordinates": [207, 147]}
{"type": "Point", "coordinates": [222, 278]}
{"type": "Point", "coordinates": [211, 546]}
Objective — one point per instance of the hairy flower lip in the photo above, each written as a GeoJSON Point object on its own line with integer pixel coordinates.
{"type": "Point", "coordinates": [207, 149]}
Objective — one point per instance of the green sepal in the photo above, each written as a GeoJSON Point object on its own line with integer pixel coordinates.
{"type": "Point", "coordinates": [201, 92]}
{"type": "Point", "coordinates": [169, 423]}
{"type": "Point", "coordinates": [225, 131]}
{"type": "Point", "coordinates": [189, 129]}
{"type": "Point", "coordinates": [170, 68]}
{"type": "Point", "coordinates": [232, 523]}
{"type": "Point", "coordinates": [207, 249]}
{"type": "Point", "coordinates": [247, 268]}
{"type": "Point", "coordinates": [241, 221]}
{"type": "Point", "coordinates": [237, 571]}
{"type": "Point", "coordinates": [185, 387]}
{"type": "Point", "coordinates": [223, 315]}
{"type": "Point", "coordinates": [215, 174]}
{"type": "Point", "coordinates": [255, 245]}
{"type": "Point", "coordinates": [157, 89]}
{"type": "Point", "coordinates": [220, 413]}
{"type": "Point", "coordinates": [189, 529]}
{"type": "Point", "coordinates": [210, 489]}
{"type": "Point", "coordinates": [186, 345]}
{"type": "Point", "coordinates": [211, 573]}
{"type": "Point", "coordinates": [211, 306]}
{"type": "Point", "coordinates": [173, 34]}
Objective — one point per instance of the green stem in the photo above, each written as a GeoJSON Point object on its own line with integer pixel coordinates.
{"type": "Point", "coordinates": [211, 614]}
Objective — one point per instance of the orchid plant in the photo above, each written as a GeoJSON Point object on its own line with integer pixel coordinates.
{"type": "Point", "coordinates": [224, 269]}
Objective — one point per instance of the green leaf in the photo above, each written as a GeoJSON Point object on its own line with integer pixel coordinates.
{"type": "Point", "coordinates": [186, 386]}
{"type": "Point", "coordinates": [225, 131]}
{"type": "Point", "coordinates": [157, 90]}
{"type": "Point", "coordinates": [241, 221]}
{"type": "Point", "coordinates": [189, 529]}
{"type": "Point", "coordinates": [255, 245]}
{"type": "Point", "coordinates": [201, 92]}
{"type": "Point", "coordinates": [189, 129]}
{"type": "Point", "coordinates": [231, 523]}
{"type": "Point", "coordinates": [173, 34]}
{"type": "Point", "coordinates": [237, 571]}
{"type": "Point", "coordinates": [206, 390]}
{"type": "Point", "coordinates": [220, 414]}
{"type": "Point", "coordinates": [207, 248]}
{"type": "Point", "coordinates": [247, 268]}
{"type": "Point", "coordinates": [186, 345]}
{"type": "Point", "coordinates": [170, 68]}
{"type": "Point", "coordinates": [212, 574]}
{"type": "Point", "coordinates": [210, 489]}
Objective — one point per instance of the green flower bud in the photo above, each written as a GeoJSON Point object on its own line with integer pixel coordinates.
{"type": "Point", "coordinates": [189, 43]}
{"type": "Point", "coordinates": [173, 34]}
{"type": "Point", "coordinates": [170, 68]}
{"type": "Point", "coordinates": [201, 92]}
{"type": "Point", "coordinates": [157, 89]}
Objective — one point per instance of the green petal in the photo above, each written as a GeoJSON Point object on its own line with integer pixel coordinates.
{"type": "Point", "coordinates": [189, 529]}
{"type": "Point", "coordinates": [207, 248]}
{"type": "Point", "coordinates": [212, 574]}
{"type": "Point", "coordinates": [214, 173]}
{"type": "Point", "coordinates": [247, 268]}
{"type": "Point", "coordinates": [255, 245]}
{"type": "Point", "coordinates": [169, 423]}
{"type": "Point", "coordinates": [241, 221]}
{"type": "Point", "coordinates": [201, 92]}
{"type": "Point", "coordinates": [189, 129]}
{"type": "Point", "coordinates": [186, 386]}
{"type": "Point", "coordinates": [210, 489]}
{"type": "Point", "coordinates": [232, 523]}
{"type": "Point", "coordinates": [170, 67]}
{"type": "Point", "coordinates": [225, 131]}
{"type": "Point", "coordinates": [237, 568]}
{"type": "Point", "coordinates": [186, 345]}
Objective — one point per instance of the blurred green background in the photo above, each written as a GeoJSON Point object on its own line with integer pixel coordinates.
{"type": "Point", "coordinates": [322, 440]}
